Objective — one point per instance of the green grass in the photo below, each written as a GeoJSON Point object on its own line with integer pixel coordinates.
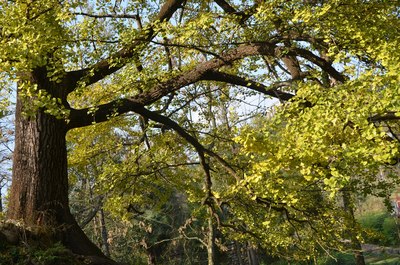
{"type": "Point", "coordinates": [386, 261]}
{"type": "Point", "coordinates": [348, 259]}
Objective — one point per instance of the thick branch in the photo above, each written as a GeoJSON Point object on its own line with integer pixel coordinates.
{"type": "Point", "coordinates": [291, 62]}
{"type": "Point", "coordinates": [229, 9]}
{"type": "Point", "coordinates": [108, 66]}
{"type": "Point", "coordinates": [236, 80]}
{"type": "Point", "coordinates": [323, 64]}
{"type": "Point", "coordinates": [389, 116]}
{"type": "Point", "coordinates": [226, 6]}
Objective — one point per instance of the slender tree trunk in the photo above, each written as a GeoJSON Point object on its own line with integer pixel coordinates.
{"type": "Point", "coordinates": [238, 253]}
{"type": "Point", "coordinates": [151, 259]}
{"type": "Point", "coordinates": [211, 239]}
{"type": "Point", "coordinates": [39, 190]}
{"type": "Point", "coordinates": [252, 255]}
{"type": "Point", "coordinates": [151, 255]}
{"type": "Point", "coordinates": [1, 202]}
{"type": "Point", "coordinates": [104, 234]}
{"type": "Point", "coordinates": [355, 243]}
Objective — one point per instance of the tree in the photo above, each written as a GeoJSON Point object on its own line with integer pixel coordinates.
{"type": "Point", "coordinates": [39, 192]}
{"type": "Point", "coordinates": [83, 62]}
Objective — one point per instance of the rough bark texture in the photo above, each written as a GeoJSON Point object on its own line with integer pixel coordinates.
{"type": "Point", "coordinates": [39, 190]}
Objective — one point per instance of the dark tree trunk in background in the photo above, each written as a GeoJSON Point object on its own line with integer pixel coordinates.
{"type": "Point", "coordinates": [104, 234]}
{"type": "Point", "coordinates": [39, 190]}
{"type": "Point", "coordinates": [1, 201]}
{"type": "Point", "coordinates": [252, 255]}
{"type": "Point", "coordinates": [355, 243]}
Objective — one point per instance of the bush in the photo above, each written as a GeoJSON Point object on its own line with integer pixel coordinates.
{"type": "Point", "coordinates": [390, 230]}
{"type": "Point", "coordinates": [380, 228]}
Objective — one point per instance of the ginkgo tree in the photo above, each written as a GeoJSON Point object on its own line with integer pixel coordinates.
{"type": "Point", "coordinates": [77, 63]}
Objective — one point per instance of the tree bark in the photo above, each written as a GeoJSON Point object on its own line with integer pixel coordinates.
{"type": "Point", "coordinates": [39, 190]}
{"type": "Point", "coordinates": [210, 239]}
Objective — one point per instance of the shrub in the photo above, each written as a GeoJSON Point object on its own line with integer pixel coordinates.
{"type": "Point", "coordinates": [380, 228]}
{"type": "Point", "coordinates": [390, 230]}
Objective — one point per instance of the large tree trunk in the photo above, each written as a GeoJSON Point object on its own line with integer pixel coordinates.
{"type": "Point", "coordinates": [39, 190]}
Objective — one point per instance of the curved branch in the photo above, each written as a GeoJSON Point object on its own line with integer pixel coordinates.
{"type": "Point", "coordinates": [240, 81]}
{"type": "Point", "coordinates": [201, 150]}
{"type": "Point", "coordinates": [323, 64]}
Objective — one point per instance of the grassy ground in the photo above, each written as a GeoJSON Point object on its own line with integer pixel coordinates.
{"type": "Point", "coordinates": [382, 259]}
